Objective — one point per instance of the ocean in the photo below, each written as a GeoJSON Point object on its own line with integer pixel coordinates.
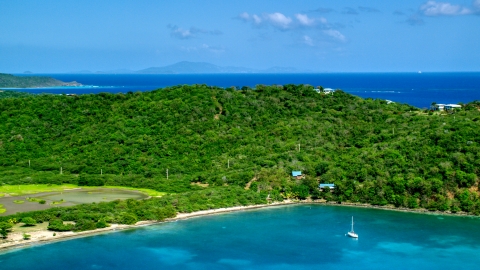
{"type": "Point", "coordinates": [286, 237]}
{"type": "Point", "coordinates": [418, 90]}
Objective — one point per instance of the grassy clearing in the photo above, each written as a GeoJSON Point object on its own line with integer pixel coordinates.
{"type": "Point", "coordinates": [2, 210]}
{"type": "Point", "coordinates": [28, 229]}
{"type": "Point", "coordinates": [16, 190]}
{"type": "Point", "coordinates": [18, 201]}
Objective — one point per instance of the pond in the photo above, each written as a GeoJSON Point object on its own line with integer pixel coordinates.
{"type": "Point", "coordinates": [31, 202]}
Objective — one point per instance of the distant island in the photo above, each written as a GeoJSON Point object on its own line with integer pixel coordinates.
{"type": "Point", "coordinates": [186, 67]}
{"type": "Point", "coordinates": [11, 81]}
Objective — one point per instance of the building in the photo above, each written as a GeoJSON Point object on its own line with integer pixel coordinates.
{"type": "Point", "coordinates": [452, 107]}
{"type": "Point", "coordinates": [446, 107]}
{"type": "Point", "coordinates": [328, 90]}
{"type": "Point", "coordinates": [329, 186]}
{"type": "Point", "coordinates": [438, 107]}
{"type": "Point", "coordinates": [298, 174]}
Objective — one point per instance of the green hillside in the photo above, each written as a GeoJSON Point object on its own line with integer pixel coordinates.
{"type": "Point", "coordinates": [11, 81]}
{"type": "Point", "coordinates": [374, 152]}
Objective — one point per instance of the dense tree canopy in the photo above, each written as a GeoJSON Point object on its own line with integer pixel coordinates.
{"type": "Point", "coordinates": [374, 152]}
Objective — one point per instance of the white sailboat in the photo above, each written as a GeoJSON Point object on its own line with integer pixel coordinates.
{"type": "Point", "coordinates": [352, 232]}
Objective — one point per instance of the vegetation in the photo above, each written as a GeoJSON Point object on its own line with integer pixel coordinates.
{"type": "Point", "coordinates": [11, 81]}
{"type": "Point", "coordinates": [92, 216]}
{"type": "Point", "coordinates": [16, 190]}
{"type": "Point", "coordinates": [28, 221]}
{"type": "Point", "coordinates": [12, 94]}
{"type": "Point", "coordinates": [212, 140]}
{"type": "Point", "coordinates": [40, 201]}
{"type": "Point", "coordinates": [5, 228]}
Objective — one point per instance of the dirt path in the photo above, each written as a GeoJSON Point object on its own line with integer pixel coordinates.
{"type": "Point", "coordinates": [250, 183]}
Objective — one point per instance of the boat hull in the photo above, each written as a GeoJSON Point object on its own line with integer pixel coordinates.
{"type": "Point", "coordinates": [352, 234]}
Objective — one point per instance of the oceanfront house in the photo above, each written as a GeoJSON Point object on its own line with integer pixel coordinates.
{"type": "Point", "coordinates": [452, 107]}
{"type": "Point", "coordinates": [324, 90]}
{"type": "Point", "coordinates": [328, 90]}
{"type": "Point", "coordinates": [445, 107]}
{"type": "Point", "coordinates": [298, 174]}
{"type": "Point", "coordinates": [329, 186]}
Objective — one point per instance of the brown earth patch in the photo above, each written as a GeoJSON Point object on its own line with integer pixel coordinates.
{"type": "Point", "coordinates": [199, 184]}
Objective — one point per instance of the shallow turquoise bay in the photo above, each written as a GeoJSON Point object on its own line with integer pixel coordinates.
{"type": "Point", "coordinates": [289, 237]}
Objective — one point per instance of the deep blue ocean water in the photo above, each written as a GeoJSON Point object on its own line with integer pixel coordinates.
{"type": "Point", "coordinates": [419, 90]}
{"type": "Point", "coordinates": [288, 237]}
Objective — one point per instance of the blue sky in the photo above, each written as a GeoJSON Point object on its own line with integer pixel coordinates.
{"type": "Point", "coordinates": [322, 35]}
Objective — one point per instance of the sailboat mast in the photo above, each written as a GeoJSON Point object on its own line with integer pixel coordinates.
{"type": "Point", "coordinates": [352, 223]}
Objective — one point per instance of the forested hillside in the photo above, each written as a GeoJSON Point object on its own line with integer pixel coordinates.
{"type": "Point", "coordinates": [11, 81]}
{"type": "Point", "coordinates": [373, 151]}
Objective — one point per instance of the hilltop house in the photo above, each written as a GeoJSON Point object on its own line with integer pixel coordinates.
{"type": "Point", "coordinates": [329, 186]}
{"type": "Point", "coordinates": [298, 174]}
{"type": "Point", "coordinates": [328, 90]}
{"type": "Point", "coordinates": [445, 107]}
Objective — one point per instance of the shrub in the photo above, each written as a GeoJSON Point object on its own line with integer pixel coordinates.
{"type": "Point", "coordinates": [57, 225]}
{"type": "Point", "coordinates": [28, 221]}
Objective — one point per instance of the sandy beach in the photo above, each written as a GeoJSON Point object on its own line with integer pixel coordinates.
{"type": "Point", "coordinates": [39, 234]}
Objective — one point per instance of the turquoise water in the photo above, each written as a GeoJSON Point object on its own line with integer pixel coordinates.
{"type": "Point", "coordinates": [291, 237]}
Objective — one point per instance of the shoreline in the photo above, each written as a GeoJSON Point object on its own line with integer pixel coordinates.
{"type": "Point", "coordinates": [45, 236]}
{"type": "Point", "coordinates": [15, 239]}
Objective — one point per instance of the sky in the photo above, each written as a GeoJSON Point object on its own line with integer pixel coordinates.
{"type": "Point", "coordinates": [56, 36]}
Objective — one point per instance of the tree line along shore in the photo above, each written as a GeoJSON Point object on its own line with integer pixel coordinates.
{"type": "Point", "coordinates": [210, 147]}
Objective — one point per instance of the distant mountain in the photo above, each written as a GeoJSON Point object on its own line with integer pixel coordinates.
{"type": "Point", "coordinates": [11, 81]}
{"type": "Point", "coordinates": [186, 67]}
{"type": "Point", "coordinates": [194, 67]}
{"type": "Point", "coordinates": [116, 71]}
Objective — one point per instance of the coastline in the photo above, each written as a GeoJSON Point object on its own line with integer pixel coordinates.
{"type": "Point", "coordinates": [43, 236]}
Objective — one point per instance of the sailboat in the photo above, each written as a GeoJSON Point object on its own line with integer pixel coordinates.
{"type": "Point", "coordinates": [352, 233]}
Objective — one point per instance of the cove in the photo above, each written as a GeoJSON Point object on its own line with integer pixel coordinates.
{"type": "Point", "coordinates": [286, 237]}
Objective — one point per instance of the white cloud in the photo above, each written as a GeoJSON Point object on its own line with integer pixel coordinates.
{"type": "Point", "coordinates": [283, 22]}
{"type": "Point", "coordinates": [300, 23]}
{"type": "Point", "coordinates": [323, 20]}
{"type": "Point", "coordinates": [244, 16]}
{"type": "Point", "coordinates": [212, 48]}
{"type": "Point", "coordinates": [415, 19]}
{"type": "Point", "coordinates": [476, 5]}
{"type": "Point", "coordinates": [433, 8]}
{"type": "Point", "coordinates": [304, 20]}
{"type": "Point", "coordinates": [308, 40]}
{"type": "Point", "coordinates": [336, 35]}
{"type": "Point", "coordinates": [181, 33]}
{"type": "Point", "coordinates": [279, 20]}
{"type": "Point", "coordinates": [256, 19]}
